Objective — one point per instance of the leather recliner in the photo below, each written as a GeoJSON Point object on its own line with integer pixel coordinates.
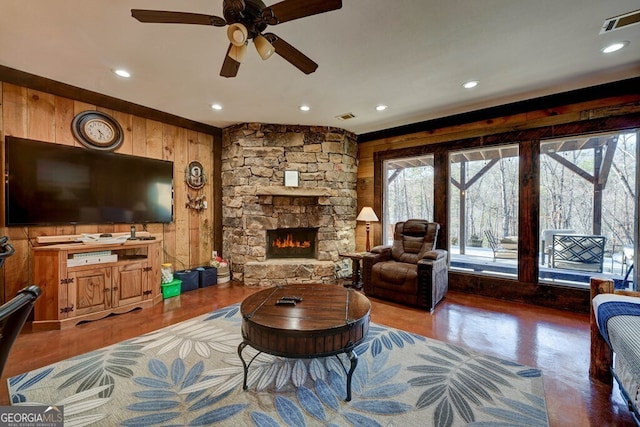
{"type": "Point", "coordinates": [411, 271]}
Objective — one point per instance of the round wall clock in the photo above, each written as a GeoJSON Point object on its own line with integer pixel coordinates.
{"type": "Point", "coordinates": [97, 130]}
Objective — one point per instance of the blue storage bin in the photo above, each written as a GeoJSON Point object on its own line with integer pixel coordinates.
{"type": "Point", "coordinates": [208, 276]}
{"type": "Point", "coordinates": [189, 279]}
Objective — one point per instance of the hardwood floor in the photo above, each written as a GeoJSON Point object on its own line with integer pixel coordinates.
{"type": "Point", "coordinates": [555, 341]}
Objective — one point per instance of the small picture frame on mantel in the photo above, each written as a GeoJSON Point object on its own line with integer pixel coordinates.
{"type": "Point", "coordinates": [291, 178]}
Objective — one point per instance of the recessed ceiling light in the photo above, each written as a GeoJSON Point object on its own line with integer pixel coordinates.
{"type": "Point", "coordinates": [470, 84]}
{"type": "Point", "coordinates": [216, 106]}
{"type": "Point", "coordinates": [122, 73]}
{"type": "Point", "coordinates": [381, 107]}
{"type": "Point", "coordinates": [304, 108]}
{"type": "Point", "coordinates": [614, 47]}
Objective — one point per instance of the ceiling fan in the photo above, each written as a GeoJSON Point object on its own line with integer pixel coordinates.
{"type": "Point", "coordinates": [247, 20]}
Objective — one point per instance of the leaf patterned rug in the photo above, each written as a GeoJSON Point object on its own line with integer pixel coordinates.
{"type": "Point", "coordinates": [190, 374]}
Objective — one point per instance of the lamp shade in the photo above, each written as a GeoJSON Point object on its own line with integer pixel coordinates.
{"type": "Point", "coordinates": [264, 48]}
{"type": "Point", "coordinates": [367, 214]}
{"type": "Point", "coordinates": [237, 53]}
{"type": "Point", "coordinates": [237, 34]}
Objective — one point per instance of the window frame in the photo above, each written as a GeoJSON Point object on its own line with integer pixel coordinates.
{"type": "Point", "coordinates": [529, 288]}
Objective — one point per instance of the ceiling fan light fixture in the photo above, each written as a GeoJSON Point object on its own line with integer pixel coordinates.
{"type": "Point", "coordinates": [237, 34]}
{"type": "Point", "coordinates": [237, 53]}
{"type": "Point", "coordinates": [264, 48]}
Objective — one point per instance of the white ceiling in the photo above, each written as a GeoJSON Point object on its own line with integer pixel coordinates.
{"type": "Point", "coordinates": [412, 55]}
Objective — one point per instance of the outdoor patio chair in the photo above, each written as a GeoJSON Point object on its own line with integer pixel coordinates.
{"type": "Point", "coordinates": [578, 252]}
{"type": "Point", "coordinates": [547, 241]}
{"type": "Point", "coordinates": [627, 256]}
{"type": "Point", "coordinates": [411, 271]}
{"type": "Point", "coordinates": [506, 248]}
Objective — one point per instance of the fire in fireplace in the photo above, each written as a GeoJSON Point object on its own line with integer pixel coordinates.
{"type": "Point", "coordinates": [291, 243]}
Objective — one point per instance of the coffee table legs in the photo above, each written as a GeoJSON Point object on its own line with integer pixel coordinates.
{"type": "Point", "coordinates": [241, 347]}
{"type": "Point", "coordinates": [352, 355]}
{"type": "Point", "coordinates": [353, 358]}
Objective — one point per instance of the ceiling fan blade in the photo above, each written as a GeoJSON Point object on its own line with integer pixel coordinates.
{"type": "Point", "coordinates": [291, 54]}
{"type": "Point", "coordinates": [288, 10]}
{"type": "Point", "coordinates": [167, 17]}
{"type": "Point", "coordinates": [230, 66]}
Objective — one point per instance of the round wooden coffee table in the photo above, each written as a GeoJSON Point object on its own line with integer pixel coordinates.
{"type": "Point", "coordinates": [326, 321]}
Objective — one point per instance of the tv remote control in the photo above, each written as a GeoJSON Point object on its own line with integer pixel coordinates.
{"type": "Point", "coordinates": [285, 302]}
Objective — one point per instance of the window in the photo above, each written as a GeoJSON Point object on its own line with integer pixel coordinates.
{"type": "Point", "coordinates": [408, 192]}
{"type": "Point", "coordinates": [588, 197]}
{"type": "Point", "coordinates": [483, 214]}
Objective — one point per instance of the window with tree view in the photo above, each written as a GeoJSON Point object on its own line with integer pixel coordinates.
{"type": "Point", "coordinates": [483, 213]}
{"type": "Point", "coordinates": [588, 205]}
{"type": "Point", "coordinates": [408, 192]}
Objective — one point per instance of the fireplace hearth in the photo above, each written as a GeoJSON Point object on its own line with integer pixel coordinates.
{"type": "Point", "coordinates": [292, 243]}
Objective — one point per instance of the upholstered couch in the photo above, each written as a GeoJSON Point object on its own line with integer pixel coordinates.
{"type": "Point", "coordinates": [615, 340]}
{"type": "Point", "coordinates": [411, 271]}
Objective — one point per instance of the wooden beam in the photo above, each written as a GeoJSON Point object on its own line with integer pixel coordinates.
{"type": "Point", "coordinates": [528, 211]}
{"type": "Point", "coordinates": [572, 167]}
{"type": "Point", "coordinates": [607, 161]}
{"type": "Point", "coordinates": [546, 103]}
{"type": "Point", "coordinates": [480, 173]}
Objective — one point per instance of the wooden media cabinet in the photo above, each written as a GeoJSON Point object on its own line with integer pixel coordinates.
{"type": "Point", "coordinates": [83, 282]}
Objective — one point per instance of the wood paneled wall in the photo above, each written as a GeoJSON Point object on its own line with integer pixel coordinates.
{"type": "Point", "coordinates": [38, 115]}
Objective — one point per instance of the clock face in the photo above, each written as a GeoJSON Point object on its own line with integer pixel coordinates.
{"type": "Point", "coordinates": [97, 130]}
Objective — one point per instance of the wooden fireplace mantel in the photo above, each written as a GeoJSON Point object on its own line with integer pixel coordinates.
{"type": "Point", "coordinates": [281, 190]}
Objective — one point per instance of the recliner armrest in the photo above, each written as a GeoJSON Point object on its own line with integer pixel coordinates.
{"type": "Point", "coordinates": [435, 254]}
{"type": "Point", "coordinates": [380, 249]}
{"type": "Point", "coordinates": [378, 254]}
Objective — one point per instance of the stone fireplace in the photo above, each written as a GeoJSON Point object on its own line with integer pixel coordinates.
{"type": "Point", "coordinates": [258, 206]}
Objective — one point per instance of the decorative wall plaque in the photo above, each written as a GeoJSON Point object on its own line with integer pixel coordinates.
{"type": "Point", "coordinates": [291, 178]}
{"type": "Point", "coordinates": [195, 176]}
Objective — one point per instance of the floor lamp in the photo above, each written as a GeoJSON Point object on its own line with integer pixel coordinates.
{"type": "Point", "coordinates": [368, 215]}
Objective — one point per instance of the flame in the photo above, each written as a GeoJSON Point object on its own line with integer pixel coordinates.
{"type": "Point", "coordinates": [288, 242]}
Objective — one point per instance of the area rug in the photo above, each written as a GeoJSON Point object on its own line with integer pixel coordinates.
{"type": "Point", "coordinates": [190, 374]}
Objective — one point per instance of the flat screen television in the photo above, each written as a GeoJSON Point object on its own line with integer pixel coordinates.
{"type": "Point", "coordinates": [53, 184]}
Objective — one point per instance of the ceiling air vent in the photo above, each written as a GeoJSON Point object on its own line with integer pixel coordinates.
{"type": "Point", "coordinates": [621, 21]}
{"type": "Point", "coordinates": [346, 116]}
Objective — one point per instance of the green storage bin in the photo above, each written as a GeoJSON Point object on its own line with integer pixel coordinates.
{"type": "Point", "coordinates": [171, 289]}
